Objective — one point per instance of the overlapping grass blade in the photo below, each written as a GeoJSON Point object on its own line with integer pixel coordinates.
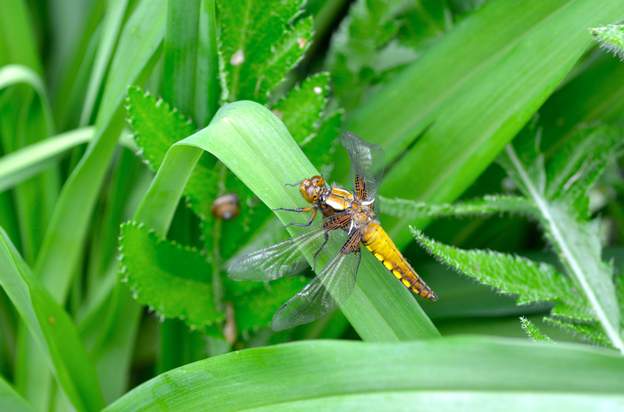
{"type": "Point", "coordinates": [51, 328]}
{"type": "Point", "coordinates": [11, 400]}
{"type": "Point", "coordinates": [469, 98]}
{"type": "Point", "coordinates": [19, 166]}
{"type": "Point", "coordinates": [111, 27]}
{"type": "Point", "coordinates": [256, 147]}
{"type": "Point", "coordinates": [466, 373]}
{"type": "Point", "coordinates": [64, 240]}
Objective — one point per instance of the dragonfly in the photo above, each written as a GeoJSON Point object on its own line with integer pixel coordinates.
{"type": "Point", "coordinates": [348, 215]}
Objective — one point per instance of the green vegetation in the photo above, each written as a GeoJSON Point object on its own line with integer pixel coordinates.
{"type": "Point", "coordinates": [122, 122]}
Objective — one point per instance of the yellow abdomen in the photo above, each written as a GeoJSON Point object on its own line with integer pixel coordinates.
{"type": "Point", "coordinates": [379, 243]}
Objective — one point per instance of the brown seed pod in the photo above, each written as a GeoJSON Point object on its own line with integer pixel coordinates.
{"type": "Point", "coordinates": [226, 206]}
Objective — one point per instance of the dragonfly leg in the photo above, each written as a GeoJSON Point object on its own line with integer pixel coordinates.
{"type": "Point", "coordinates": [318, 251]}
{"type": "Point", "coordinates": [301, 210]}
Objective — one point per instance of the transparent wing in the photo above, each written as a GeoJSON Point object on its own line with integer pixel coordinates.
{"type": "Point", "coordinates": [334, 283]}
{"type": "Point", "coordinates": [366, 165]}
{"type": "Point", "coordinates": [280, 259]}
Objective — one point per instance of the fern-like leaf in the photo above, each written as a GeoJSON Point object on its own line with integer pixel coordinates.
{"type": "Point", "coordinates": [611, 38]}
{"type": "Point", "coordinates": [559, 192]}
{"type": "Point", "coordinates": [514, 275]}
{"type": "Point", "coordinates": [487, 205]}
{"type": "Point", "coordinates": [533, 331]}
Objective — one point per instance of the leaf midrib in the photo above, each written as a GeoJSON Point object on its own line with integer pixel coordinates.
{"type": "Point", "coordinates": [574, 265]}
{"type": "Point", "coordinates": [429, 390]}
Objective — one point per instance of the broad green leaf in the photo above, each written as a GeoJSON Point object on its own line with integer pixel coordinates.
{"type": "Point", "coordinates": [446, 102]}
{"type": "Point", "coordinates": [207, 77]}
{"type": "Point", "coordinates": [156, 125]}
{"type": "Point", "coordinates": [11, 400]}
{"type": "Point", "coordinates": [22, 164]}
{"type": "Point", "coordinates": [17, 39]}
{"type": "Point", "coordinates": [302, 108]}
{"type": "Point", "coordinates": [509, 274]}
{"type": "Point", "coordinates": [470, 374]}
{"type": "Point", "coordinates": [256, 146]}
{"type": "Point", "coordinates": [533, 331]}
{"type": "Point", "coordinates": [173, 280]}
{"type": "Point", "coordinates": [259, 43]}
{"type": "Point", "coordinates": [489, 204]}
{"type": "Point", "coordinates": [575, 239]}
{"type": "Point", "coordinates": [611, 38]}
{"type": "Point", "coordinates": [180, 53]}
{"type": "Point", "coordinates": [52, 330]}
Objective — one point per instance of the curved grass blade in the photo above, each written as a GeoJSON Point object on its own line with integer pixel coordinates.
{"type": "Point", "coordinates": [22, 164]}
{"type": "Point", "coordinates": [52, 330]}
{"type": "Point", "coordinates": [460, 373]}
{"type": "Point", "coordinates": [256, 146]}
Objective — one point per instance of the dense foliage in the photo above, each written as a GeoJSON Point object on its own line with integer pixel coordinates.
{"type": "Point", "coordinates": [125, 123]}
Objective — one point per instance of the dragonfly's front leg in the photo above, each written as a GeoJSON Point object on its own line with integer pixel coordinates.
{"type": "Point", "coordinates": [312, 209]}
{"type": "Point", "coordinates": [337, 221]}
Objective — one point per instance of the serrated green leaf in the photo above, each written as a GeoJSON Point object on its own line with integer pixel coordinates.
{"type": "Point", "coordinates": [156, 125]}
{"type": "Point", "coordinates": [589, 332]}
{"type": "Point", "coordinates": [576, 240]}
{"type": "Point", "coordinates": [302, 108]}
{"type": "Point", "coordinates": [255, 145]}
{"type": "Point", "coordinates": [172, 279]}
{"type": "Point", "coordinates": [533, 331]}
{"type": "Point", "coordinates": [611, 38]}
{"type": "Point", "coordinates": [487, 205]}
{"type": "Point", "coordinates": [258, 45]}
{"type": "Point", "coordinates": [509, 274]}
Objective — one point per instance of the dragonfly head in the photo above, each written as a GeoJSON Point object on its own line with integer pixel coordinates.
{"type": "Point", "coordinates": [312, 189]}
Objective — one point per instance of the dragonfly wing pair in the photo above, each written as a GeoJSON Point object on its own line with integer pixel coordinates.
{"type": "Point", "coordinates": [334, 282]}
{"type": "Point", "coordinates": [366, 165]}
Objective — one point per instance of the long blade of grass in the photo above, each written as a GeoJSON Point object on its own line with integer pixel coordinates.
{"type": "Point", "coordinates": [64, 240]}
{"type": "Point", "coordinates": [113, 20]}
{"type": "Point", "coordinates": [462, 373]}
{"type": "Point", "coordinates": [468, 99]}
{"type": "Point", "coordinates": [256, 146]}
{"type": "Point", "coordinates": [22, 164]}
{"type": "Point", "coordinates": [51, 328]}
{"type": "Point", "coordinates": [179, 71]}
{"type": "Point", "coordinates": [17, 41]}
{"type": "Point", "coordinates": [11, 400]}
